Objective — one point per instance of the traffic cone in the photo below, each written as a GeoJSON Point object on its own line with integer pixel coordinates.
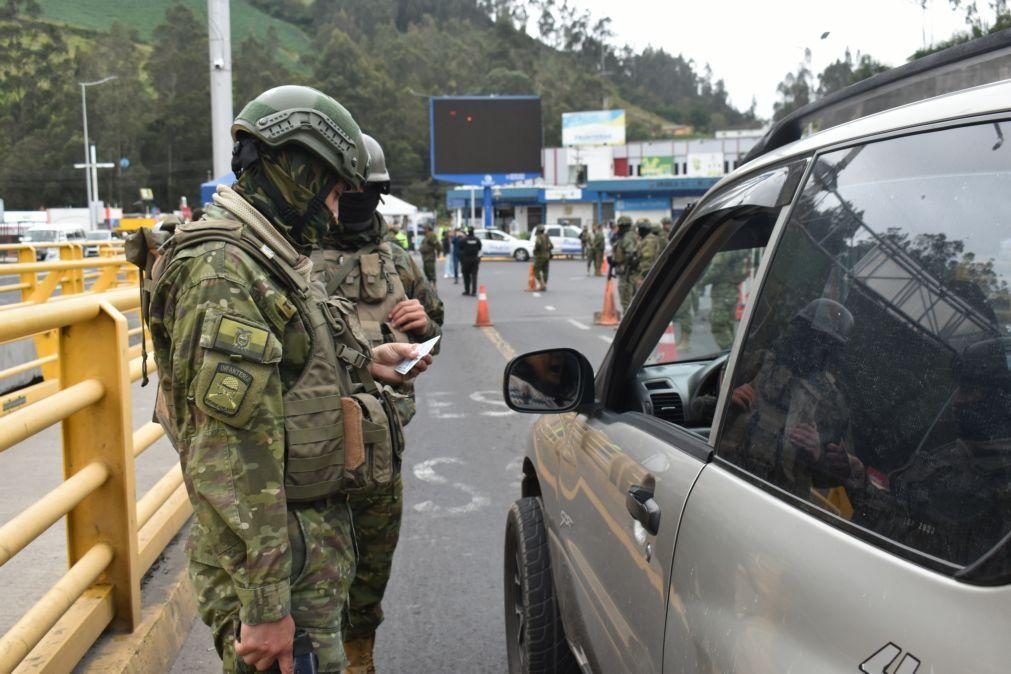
{"type": "Point", "coordinates": [610, 315]}
{"type": "Point", "coordinates": [667, 348]}
{"type": "Point", "coordinates": [483, 319]}
{"type": "Point", "coordinates": [532, 281]}
{"type": "Point", "coordinates": [604, 268]}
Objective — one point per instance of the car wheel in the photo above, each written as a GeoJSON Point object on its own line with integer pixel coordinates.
{"type": "Point", "coordinates": [534, 634]}
{"type": "Point", "coordinates": [521, 255]}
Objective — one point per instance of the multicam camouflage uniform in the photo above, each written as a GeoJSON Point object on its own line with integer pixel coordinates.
{"type": "Point", "coordinates": [542, 258]}
{"type": "Point", "coordinates": [429, 250]}
{"type": "Point", "coordinates": [648, 250]}
{"type": "Point", "coordinates": [624, 254]}
{"type": "Point", "coordinates": [597, 249]}
{"type": "Point", "coordinates": [377, 514]}
{"type": "Point", "coordinates": [726, 272]}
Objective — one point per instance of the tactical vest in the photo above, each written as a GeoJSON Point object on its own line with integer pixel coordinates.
{"type": "Point", "coordinates": [369, 278]}
{"type": "Point", "coordinates": [338, 433]}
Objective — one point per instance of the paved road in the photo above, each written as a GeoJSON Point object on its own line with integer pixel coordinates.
{"type": "Point", "coordinates": [462, 471]}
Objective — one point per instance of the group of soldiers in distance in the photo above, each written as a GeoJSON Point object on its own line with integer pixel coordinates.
{"type": "Point", "coordinates": [633, 252]}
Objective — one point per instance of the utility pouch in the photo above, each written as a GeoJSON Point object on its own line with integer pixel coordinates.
{"type": "Point", "coordinates": [373, 282]}
{"type": "Point", "coordinates": [368, 444]}
{"type": "Point", "coordinates": [141, 250]}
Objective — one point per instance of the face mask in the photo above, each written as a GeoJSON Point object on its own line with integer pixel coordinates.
{"type": "Point", "coordinates": [357, 208]}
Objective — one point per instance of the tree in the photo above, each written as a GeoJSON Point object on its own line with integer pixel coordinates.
{"type": "Point", "coordinates": [846, 71]}
{"type": "Point", "coordinates": [256, 69]}
{"type": "Point", "coordinates": [795, 92]}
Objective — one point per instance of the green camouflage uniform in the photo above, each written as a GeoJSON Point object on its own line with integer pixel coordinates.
{"type": "Point", "coordinates": [377, 514]}
{"type": "Point", "coordinates": [624, 254]}
{"type": "Point", "coordinates": [254, 558]}
{"type": "Point", "coordinates": [726, 272]}
{"type": "Point", "coordinates": [648, 251]}
{"type": "Point", "coordinates": [429, 251]}
{"type": "Point", "coordinates": [542, 259]}
{"type": "Point", "coordinates": [597, 251]}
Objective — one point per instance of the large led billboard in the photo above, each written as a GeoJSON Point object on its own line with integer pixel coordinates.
{"type": "Point", "coordinates": [475, 138]}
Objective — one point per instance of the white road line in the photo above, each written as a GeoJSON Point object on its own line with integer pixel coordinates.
{"type": "Point", "coordinates": [581, 326]}
{"type": "Point", "coordinates": [549, 308]}
{"type": "Point", "coordinates": [606, 338]}
{"type": "Point", "coordinates": [537, 294]}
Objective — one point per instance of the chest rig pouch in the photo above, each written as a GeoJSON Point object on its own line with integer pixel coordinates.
{"type": "Point", "coordinates": [336, 419]}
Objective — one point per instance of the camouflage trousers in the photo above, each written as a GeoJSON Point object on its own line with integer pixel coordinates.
{"type": "Point", "coordinates": [429, 266]}
{"type": "Point", "coordinates": [541, 266]}
{"type": "Point", "coordinates": [723, 317]}
{"type": "Point", "coordinates": [323, 564]}
{"type": "Point", "coordinates": [377, 517]}
{"type": "Point", "coordinates": [626, 291]}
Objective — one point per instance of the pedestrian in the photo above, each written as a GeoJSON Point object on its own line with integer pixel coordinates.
{"type": "Point", "coordinates": [647, 251]}
{"type": "Point", "coordinates": [624, 254]}
{"type": "Point", "coordinates": [597, 247]}
{"type": "Point", "coordinates": [454, 251]}
{"type": "Point", "coordinates": [470, 260]}
{"type": "Point", "coordinates": [257, 372]}
{"type": "Point", "coordinates": [393, 303]}
{"type": "Point", "coordinates": [429, 250]}
{"type": "Point", "coordinates": [542, 258]}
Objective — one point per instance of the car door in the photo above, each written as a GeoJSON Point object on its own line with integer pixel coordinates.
{"type": "Point", "coordinates": [498, 243]}
{"type": "Point", "coordinates": [855, 516]}
{"type": "Point", "coordinates": [628, 465]}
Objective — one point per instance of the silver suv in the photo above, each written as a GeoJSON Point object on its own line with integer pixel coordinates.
{"type": "Point", "coordinates": [796, 456]}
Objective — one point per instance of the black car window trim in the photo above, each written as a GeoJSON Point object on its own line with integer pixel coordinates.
{"type": "Point", "coordinates": [679, 267]}
{"type": "Point", "coordinates": [958, 572]}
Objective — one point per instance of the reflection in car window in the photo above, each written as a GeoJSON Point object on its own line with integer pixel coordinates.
{"type": "Point", "coordinates": [874, 381]}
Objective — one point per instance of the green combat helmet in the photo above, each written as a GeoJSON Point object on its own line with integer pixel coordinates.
{"type": "Point", "coordinates": [297, 114]}
{"type": "Point", "coordinates": [624, 221]}
{"type": "Point", "coordinates": [378, 173]}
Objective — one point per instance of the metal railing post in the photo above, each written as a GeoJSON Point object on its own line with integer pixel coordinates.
{"type": "Point", "coordinates": [97, 349]}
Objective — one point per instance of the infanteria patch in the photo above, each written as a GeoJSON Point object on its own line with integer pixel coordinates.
{"type": "Point", "coordinates": [228, 389]}
{"type": "Point", "coordinates": [243, 339]}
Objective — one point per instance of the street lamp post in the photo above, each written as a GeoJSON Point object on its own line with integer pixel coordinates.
{"type": "Point", "coordinates": [89, 166]}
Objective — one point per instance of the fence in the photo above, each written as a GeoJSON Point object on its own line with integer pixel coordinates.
{"type": "Point", "coordinates": [112, 538]}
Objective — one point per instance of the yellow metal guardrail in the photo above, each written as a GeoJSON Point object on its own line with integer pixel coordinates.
{"type": "Point", "coordinates": [73, 274]}
{"type": "Point", "coordinates": [112, 538]}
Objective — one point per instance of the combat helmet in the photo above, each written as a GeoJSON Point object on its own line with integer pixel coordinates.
{"type": "Point", "coordinates": [827, 317]}
{"type": "Point", "coordinates": [303, 115]}
{"type": "Point", "coordinates": [378, 173]}
{"type": "Point", "coordinates": [624, 221]}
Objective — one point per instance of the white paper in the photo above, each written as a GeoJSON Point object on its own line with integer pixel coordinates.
{"type": "Point", "coordinates": [424, 349]}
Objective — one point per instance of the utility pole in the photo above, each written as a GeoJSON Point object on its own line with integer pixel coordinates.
{"type": "Point", "coordinates": [219, 29]}
{"type": "Point", "coordinates": [89, 165]}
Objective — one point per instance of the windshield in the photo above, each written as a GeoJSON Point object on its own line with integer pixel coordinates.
{"type": "Point", "coordinates": [99, 236]}
{"type": "Point", "coordinates": [41, 235]}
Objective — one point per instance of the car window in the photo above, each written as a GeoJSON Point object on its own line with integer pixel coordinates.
{"type": "Point", "coordinates": [875, 379]}
{"type": "Point", "coordinates": [497, 236]}
{"type": "Point", "coordinates": [554, 231]}
{"type": "Point", "coordinates": [481, 234]}
{"type": "Point", "coordinates": [572, 232]}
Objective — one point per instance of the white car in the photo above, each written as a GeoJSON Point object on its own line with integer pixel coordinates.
{"type": "Point", "coordinates": [565, 239]}
{"type": "Point", "coordinates": [495, 243]}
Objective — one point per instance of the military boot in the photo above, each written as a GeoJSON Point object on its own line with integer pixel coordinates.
{"type": "Point", "coordinates": [359, 653]}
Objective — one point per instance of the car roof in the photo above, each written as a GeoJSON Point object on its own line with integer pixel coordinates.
{"type": "Point", "coordinates": [981, 100]}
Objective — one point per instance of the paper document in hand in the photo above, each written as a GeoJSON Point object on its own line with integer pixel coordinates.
{"type": "Point", "coordinates": [424, 349]}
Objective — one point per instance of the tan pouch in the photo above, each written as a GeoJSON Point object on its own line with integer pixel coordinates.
{"type": "Point", "coordinates": [354, 439]}
{"type": "Point", "coordinates": [373, 288]}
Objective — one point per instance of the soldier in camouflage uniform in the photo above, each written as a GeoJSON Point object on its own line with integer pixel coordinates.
{"type": "Point", "coordinates": [542, 257]}
{"type": "Point", "coordinates": [429, 250]}
{"type": "Point", "coordinates": [252, 357]}
{"type": "Point", "coordinates": [626, 265]}
{"type": "Point", "coordinates": [789, 422]}
{"type": "Point", "coordinates": [393, 302]}
{"type": "Point", "coordinates": [597, 249]}
{"type": "Point", "coordinates": [725, 273]}
{"type": "Point", "coordinates": [647, 251]}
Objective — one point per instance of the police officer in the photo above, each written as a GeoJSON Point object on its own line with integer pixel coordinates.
{"type": "Point", "coordinates": [265, 385]}
{"type": "Point", "coordinates": [393, 303]}
{"type": "Point", "coordinates": [542, 257]}
{"type": "Point", "coordinates": [470, 259]}
{"type": "Point", "coordinates": [647, 251]}
{"type": "Point", "coordinates": [624, 254]}
{"type": "Point", "coordinates": [429, 251]}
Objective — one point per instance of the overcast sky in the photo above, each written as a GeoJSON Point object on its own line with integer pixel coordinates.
{"type": "Point", "coordinates": [751, 45]}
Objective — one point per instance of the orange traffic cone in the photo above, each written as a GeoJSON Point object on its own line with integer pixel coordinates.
{"type": "Point", "coordinates": [532, 281]}
{"type": "Point", "coordinates": [610, 315]}
{"type": "Point", "coordinates": [483, 319]}
{"type": "Point", "coordinates": [667, 348]}
{"type": "Point", "coordinates": [604, 268]}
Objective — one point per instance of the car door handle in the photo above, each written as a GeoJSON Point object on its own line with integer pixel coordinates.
{"type": "Point", "coordinates": [643, 508]}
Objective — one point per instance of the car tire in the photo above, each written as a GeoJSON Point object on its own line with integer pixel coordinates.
{"type": "Point", "coordinates": [535, 638]}
{"type": "Point", "coordinates": [521, 255]}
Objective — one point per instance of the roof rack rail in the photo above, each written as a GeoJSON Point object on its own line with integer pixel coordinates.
{"type": "Point", "coordinates": [980, 61]}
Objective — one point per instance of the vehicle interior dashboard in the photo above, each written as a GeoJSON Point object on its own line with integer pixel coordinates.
{"type": "Point", "coordinates": [683, 393]}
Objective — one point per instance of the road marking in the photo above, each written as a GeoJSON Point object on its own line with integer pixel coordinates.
{"type": "Point", "coordinates": [483, 397]}
{"type": "Point", "coordinates": [503, 346]}
{"type": "Point", "coordinates": [537, 294]}
{"type": "Point", "coordinates": [581, 326]}
{"type": "Point", "coordinates": [425, 471]}
{"type": "Point", "coordinates": [435, 406]}
{"type": "Point", "coordinates": [606, 338]}
{"type": "Point", "coordinates": [549, 308]}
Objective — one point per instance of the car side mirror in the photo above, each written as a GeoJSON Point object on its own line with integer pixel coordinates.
{"type": "Point", "coordinates": [548, 382]}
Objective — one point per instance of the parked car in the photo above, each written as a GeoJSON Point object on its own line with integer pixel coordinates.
{"type": "Point", "coordinates": [97, 236]}
{"type": "Point", "coordinates": [495, 242]}
{"type": "Point", "coordinates": [52, 233]}
{"type": "Point", "coordinates": [810, 476]}
{"type": "Point", "coordinates": [565, 239]}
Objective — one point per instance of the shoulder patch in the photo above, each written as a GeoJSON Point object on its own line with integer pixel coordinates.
{"type": "Point", "coordinates": [242, 338]}
{"type": "Point", "coordinates": [228, 388]}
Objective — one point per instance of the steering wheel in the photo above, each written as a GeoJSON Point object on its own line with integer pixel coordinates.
{"type": "Point", "coordinates": [698, 382]}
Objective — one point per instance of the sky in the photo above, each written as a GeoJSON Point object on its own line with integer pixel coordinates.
{"type": "Point", "coordinates": [751, 45]}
